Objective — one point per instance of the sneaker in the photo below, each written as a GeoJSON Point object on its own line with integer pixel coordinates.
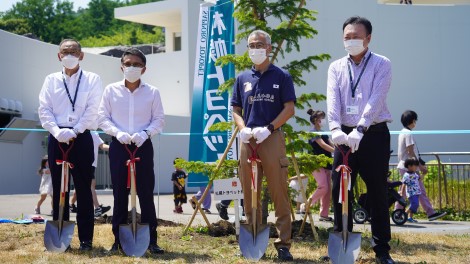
{"type": "Point", "coordinates": [155, 249]}
{"type": "Point", "coordinates": [86, 246]}
{"type": "Point", "coordinates": [37, 210]}
{"type": "Point", "coordinates": [384, 259]}
{"type": "Point", "coordinates": [284, 255]}
{"type": "Point", "coordinates": [98, 212]}
{"type": "Point", "coordinates": [222, 211]}
{"type": "Point", "coordinates": [179, 210]}
{"type": "Point", "coordinates": [436, 216]}
{"type": "Point", "coordinates": [73, 208]}
{"type": "Point", "coordinates": [411, 220]}
{"type": "Point", "coordinates": [326, 219]}
{"type": "Point", "coordinates": [206, 211]}
{"type": "Point", "coordinates": [104, 209]}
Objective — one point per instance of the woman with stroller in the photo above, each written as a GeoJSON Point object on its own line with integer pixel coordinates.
{"type": "Point", "coordinates": [321, 145]}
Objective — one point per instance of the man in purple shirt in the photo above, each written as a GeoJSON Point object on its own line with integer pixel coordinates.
{"type": "Point", "coordinates": [357, 111]}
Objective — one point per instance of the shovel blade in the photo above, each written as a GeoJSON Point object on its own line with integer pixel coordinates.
{"type": "Point", "coordinates": [57, 240]}
{"type": "Point", "coordinates": [336, 245]}
{"type": "Point", "coordinates": [253, 246]}
{"type": "Point", "coordinates": [134, 245]}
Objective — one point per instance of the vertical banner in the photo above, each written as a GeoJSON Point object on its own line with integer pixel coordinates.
{"type": "Point", "coordinates": [215, 39]}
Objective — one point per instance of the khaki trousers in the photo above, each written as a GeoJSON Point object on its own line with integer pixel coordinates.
{"type": "Point", "coordinates": [274, 163]}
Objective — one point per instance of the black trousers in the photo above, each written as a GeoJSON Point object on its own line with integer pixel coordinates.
{"type": "Point", "coordinates": [371, 162]}
{"type": "Point", "coordinates": [81, 156]}
{"type": "Point", "coordinates": [145, 182]}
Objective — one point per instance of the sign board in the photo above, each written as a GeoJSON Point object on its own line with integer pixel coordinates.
{"type": "Point", "coordinates": [228, 189]}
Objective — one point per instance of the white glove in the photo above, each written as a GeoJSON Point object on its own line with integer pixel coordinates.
{"type": "Point", "coordinates": [123, 137]}
{"type": "Point", "coordinates": [246, 134]}
{"type": "Point", "coordinates": [139, 138]}
{"type": "Point", "coordinates": [354, 138]}
{"type": "Point", "coordinates": [260, 134]}
{"type": "Point", "coordinates": [65, 135]}
{"type": "Point", "coordinates": [339, 137]}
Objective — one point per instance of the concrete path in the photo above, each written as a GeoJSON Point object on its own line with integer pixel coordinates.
{"type": "Point", "coordinates": [14, 206]}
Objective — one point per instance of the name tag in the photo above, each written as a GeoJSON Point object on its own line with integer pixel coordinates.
{"type": "Point", "coordinates": [72, 118]}
{"type": "Point", "coordinates": [352, 109]}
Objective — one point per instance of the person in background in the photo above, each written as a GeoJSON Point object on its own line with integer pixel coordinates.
{"type": "Point", "coordinates": [407, 148]}
{"type": "Point", "coordinates": [357, 89]}
{"type": "Point", "coordinates": [45, 188]}
{"type": "Point", "coordinates": [321, 145]}
{"type": "Point", "coordinates": [298, 198]}
{"type": "Point", "coordinates": [411, 182]}
{"type": "Point", "coordinates": [68, 107]}
{"type": "Point", "coordinates": [99, 208]}
{"type": "Point", "coordinates": [131, 112]}
{"type": "Point", "coordinates": [263, 101]}
{"type": "Point", "coordinates": [179, 191]}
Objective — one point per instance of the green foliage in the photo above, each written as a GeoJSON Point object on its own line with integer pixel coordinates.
{"type": "Point", "coordinates": [221, 126]}
{"type": "Point", "coordinates": [54, 20]}
{"type": "Point", "coordinates": [226, 170]}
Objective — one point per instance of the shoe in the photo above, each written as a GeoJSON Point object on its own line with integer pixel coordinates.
{"type": "Point", "coordinates": [222, 211]}
{"type": "Point", "coordinates": [116, 248]}
{"type": "Point", "coordinates": [104, 209]}
{"type": "Point", "coordinates": [98, 212]}
{"type": "Point", "coordinates": [193, 204]}
{"type": "Point", "coordinates": [206, 211]}
{"type": "Point", "coordinates": [155, 249]}
{"type": "Point", "coordinates": [326, 219]}
{"type": "Point", "coordinates": [73, 208]}
{"type": "Point", "coordinates": [436, 216]}
{"type": "Point", "coordinates": [37, 210]}
{"type": "Point", "coordinates": [86, 246]}
{"type": "Point", "coordinates": [284, 255]}
{"type": "Point", "coordinates": [411, 220]}
{"type": "Point", "coordinates": [179, 210]}
{"type": "Point", "coordinates": [384, 259]}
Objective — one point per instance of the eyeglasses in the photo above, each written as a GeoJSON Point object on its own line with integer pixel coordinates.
{"type": "Point", "coordinates": [256, 45]}
{"type": "Point", "coordinates": [137, 64]}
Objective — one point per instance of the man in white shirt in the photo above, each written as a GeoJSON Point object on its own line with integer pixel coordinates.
{"type": "Point", "coordinates": [131, 112]}
{"type": "Point", "coordinates": [68, 106]}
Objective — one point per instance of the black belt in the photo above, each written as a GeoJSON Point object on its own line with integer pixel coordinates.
{"type": "Point", "coordinates": [380, 127]}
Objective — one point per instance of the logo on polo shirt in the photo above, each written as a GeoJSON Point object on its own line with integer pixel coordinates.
{"type": "Point", "coordinates": [276, 86]}
{"type": "Point", "coordinates": [247, 87]}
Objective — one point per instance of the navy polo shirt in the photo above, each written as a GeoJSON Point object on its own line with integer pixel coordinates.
{"type": "Point", "coordinates": [262, 96]}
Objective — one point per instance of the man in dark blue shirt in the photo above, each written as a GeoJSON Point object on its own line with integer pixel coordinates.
{"type": "Point", "coordinates": [263, 100]}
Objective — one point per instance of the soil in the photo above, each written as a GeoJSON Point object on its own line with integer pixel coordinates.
{"type": "Point", "coordinates": [105, 219]}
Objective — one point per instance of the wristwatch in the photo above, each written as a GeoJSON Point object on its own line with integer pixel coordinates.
{"type": "Point", "coordinates": [361, 129]}
{"type": "Point", "coordinates": [270, 127]}
{"type": "Point", "coordinates": [147, 132]}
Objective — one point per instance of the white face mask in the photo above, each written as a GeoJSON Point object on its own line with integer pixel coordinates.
{"type": "Point", "coordinates": [132, 74]}
{"type": "Point", "coordinates": [69, 62]}
{"type": "Point", "coordinates": [257, 56]}
{"type": "Point", "coordinates": [354, 46]}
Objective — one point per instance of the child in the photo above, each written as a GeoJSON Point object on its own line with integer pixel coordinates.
{"type": "Point", "coordinates": [299, 199]}
{"type": "Point", "coordinates": [411, 180]}
{"type": "Point", "coordinates": [178, 177]}
{"type": "Point", "coordinates": [46, 184]}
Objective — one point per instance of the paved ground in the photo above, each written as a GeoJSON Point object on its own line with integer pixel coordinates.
{"type": "Point", "coordinates": [14, 206]}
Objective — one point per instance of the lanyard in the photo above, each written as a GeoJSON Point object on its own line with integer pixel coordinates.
{"type": "Point", "coordinates": [76, 91]}
{"type": "Point", "coordinates": [354, 87]}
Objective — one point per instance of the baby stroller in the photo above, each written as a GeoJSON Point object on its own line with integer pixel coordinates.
{"type": "Point", "coordinates": [399, 216]}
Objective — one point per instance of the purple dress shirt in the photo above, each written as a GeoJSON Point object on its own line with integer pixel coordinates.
{"type": "Point", "coordinates": [369, 103]}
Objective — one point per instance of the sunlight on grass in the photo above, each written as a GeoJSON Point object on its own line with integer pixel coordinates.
{"type": "Point", "coordinates": [24, 244]}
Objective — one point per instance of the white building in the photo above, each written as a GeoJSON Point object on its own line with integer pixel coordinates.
{"type": "Point", "coordinates": [427, 45]}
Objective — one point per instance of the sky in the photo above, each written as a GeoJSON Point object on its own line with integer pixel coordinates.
{"type": "Point", "coordinates": [7, 4]}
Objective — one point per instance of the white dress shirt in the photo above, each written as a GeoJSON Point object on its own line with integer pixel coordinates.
{"type": "Point", "coordinates": [55, 108]}
{"type": "Point", "coordinates": [131, 112]}
{"type": "Point", "coordinates": [370, 97]}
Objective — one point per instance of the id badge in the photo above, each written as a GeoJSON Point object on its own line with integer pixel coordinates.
{"type": "Point", "coordinates": [72, 119]}
{"type": "Point", "coordinates": [352, 109]}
